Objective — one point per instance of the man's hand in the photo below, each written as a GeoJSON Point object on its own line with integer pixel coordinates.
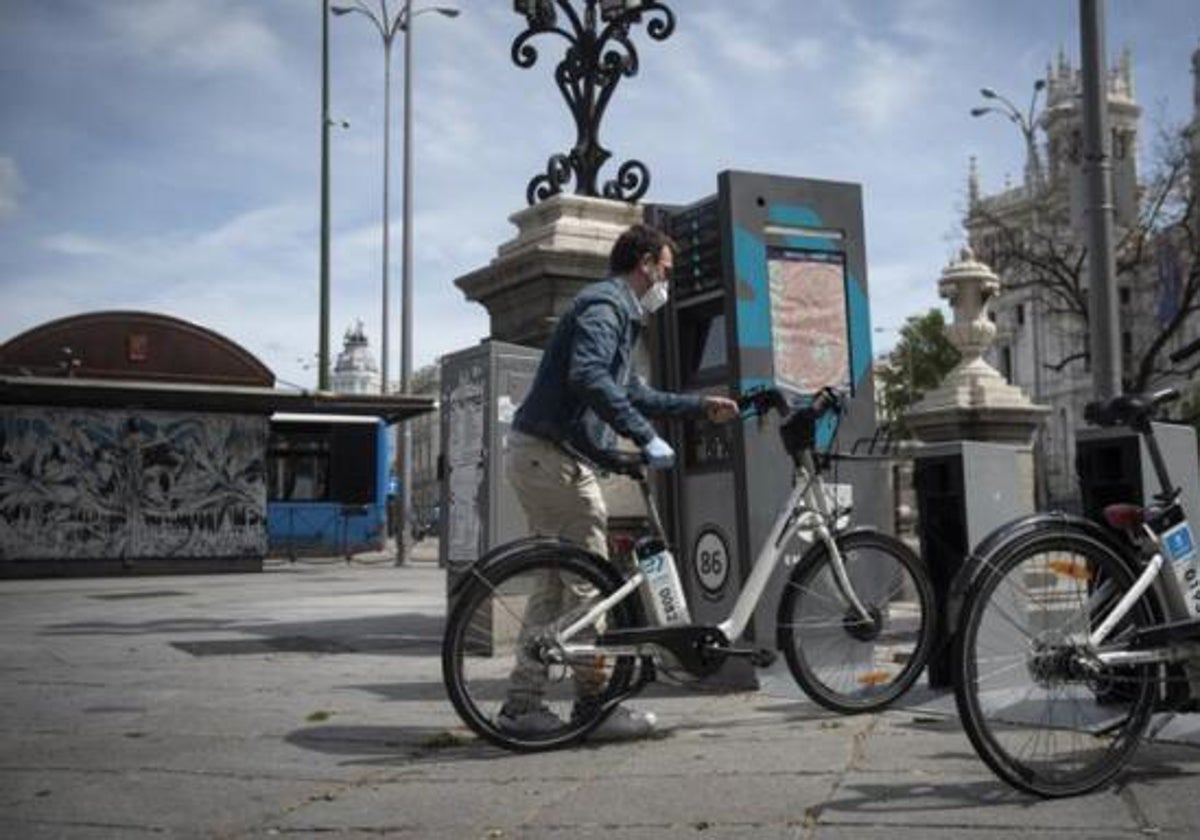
{"type": "Point", "coordinates": [659, 454]}
{"type": "Point", "coordinates": [721, 409]}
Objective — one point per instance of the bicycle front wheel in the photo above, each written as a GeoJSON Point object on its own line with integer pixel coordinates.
{"type": "Point", "coordinates": [503, 661]}
{"type": "Point", "coordinates": [1044, 715]}
{"type": "Point", "coordinates": [841, 660]}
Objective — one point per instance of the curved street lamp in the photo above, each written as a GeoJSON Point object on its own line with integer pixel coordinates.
{"type": "Point", "coordinates": [388, 26]}
{"type": "Point", "coordinates": [1025, 122]}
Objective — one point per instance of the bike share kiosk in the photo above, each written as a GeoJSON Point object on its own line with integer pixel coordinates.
{"type": "Point", "coordinates": [769, 288]}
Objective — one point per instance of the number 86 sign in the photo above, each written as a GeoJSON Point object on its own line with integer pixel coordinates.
{"type": "Point", "coordinates": [710, 560]}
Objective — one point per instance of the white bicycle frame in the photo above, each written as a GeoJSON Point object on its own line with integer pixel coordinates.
{"type": "Point", "coordinates": [807, 508]}
{"type": "Point", "coordinates": [1167, 653]}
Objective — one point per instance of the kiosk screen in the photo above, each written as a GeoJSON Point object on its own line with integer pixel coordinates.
{"type": "Point", "coordinates": [809, 325]}
{"type": "Point", "coordinates": [703, 352]}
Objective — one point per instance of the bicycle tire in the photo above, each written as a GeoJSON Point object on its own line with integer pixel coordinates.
{"type": "Point", "coordinates": [1035, 717]}
{"type": "Point", "coordinates": [490, 656]}
{"type": "Point", "coordinates": [841, 662]}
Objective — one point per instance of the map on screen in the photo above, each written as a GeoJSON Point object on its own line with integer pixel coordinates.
{"type": "Point", "coordinates": [810, 341]}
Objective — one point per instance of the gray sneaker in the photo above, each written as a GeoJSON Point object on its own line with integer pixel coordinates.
{"type": "Point", "coordinates": [530, 722]}
{"type": "Point", "coordinates": [625, 725]}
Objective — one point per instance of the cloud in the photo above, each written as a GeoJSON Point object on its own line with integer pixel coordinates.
{"type": "Point", "coordinates": [10, 187]}
{"type": "Point", "coordinates": [207, 39]}
{"type": "Point", "coordinates": [76, 245]}
{"type": "Point", "coordinates": [887, 83]}
{"type": "Point", "coordinates": [755, 50]}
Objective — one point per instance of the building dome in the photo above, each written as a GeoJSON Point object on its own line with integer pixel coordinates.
{"type": "Point", "coordinates": [355, 371]}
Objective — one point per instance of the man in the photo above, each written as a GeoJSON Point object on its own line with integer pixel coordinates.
{"type": "Point", "coordinates": [583, 395]}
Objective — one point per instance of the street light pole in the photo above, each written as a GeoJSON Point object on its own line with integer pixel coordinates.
{"type": "Point", "coordinates": [404, 529]}
{"type": "Point", "coordinates": [1035, 184]}
{"type": "Point", "coordinates": [1097, 172]}
{"type": "Point", "coordinates": [404, 533]}
{"type": "Point", "coordinates": [323, 338]}
{"type": "Point", "coordinates": [388, 26]}
{"type": "Point", "coordinates": [1025, 122]}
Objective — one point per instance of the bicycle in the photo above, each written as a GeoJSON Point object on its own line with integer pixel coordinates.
{"type": "Point", "coordinates": [1071, 635]}
{"type": "Point", "coordinates": [855, 623]}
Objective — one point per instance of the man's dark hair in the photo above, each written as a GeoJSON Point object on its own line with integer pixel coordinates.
{"type": "Point", "coordinates": [634, 244]}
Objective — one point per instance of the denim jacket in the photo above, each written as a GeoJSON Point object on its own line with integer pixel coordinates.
{"type": "Point", "coordinates": [585, 392]}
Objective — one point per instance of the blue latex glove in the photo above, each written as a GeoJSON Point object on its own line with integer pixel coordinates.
{"type": "Point", "coordinates": [659, 454]}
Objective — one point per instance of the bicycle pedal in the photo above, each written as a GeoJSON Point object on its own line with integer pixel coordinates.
{"type": "Point", "coordinates": [759, 657]}
{"type": "Point", "coordinates": [763, 658]}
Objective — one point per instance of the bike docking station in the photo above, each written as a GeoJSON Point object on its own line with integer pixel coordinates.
{"type": "Point", "coordinates": [769, 289]}
{"type": "Point", "coordinates": [1115, 466]}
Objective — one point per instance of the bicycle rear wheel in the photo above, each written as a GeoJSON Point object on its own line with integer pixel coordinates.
{"type": "Point", "coordinates": [1042, 715]}
{"type": "Point", "coordinates": [841, 661]}
{"type": "Point", "coordinates": [503, 667]}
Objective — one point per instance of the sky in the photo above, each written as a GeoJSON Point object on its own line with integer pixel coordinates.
{"type": "Point", "coordinates": [164, 155]}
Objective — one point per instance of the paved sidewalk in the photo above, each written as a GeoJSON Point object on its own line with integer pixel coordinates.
{"type": "Point", "coordinates": [307, 701]}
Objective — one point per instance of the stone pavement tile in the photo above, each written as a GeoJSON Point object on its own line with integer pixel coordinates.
{"type": "Point", "coordinates": [53, 830]}
{"type": "Point", "coordinates": [698, 831]}
{"type": "Point", "coordinates": [979, 801]}
{"type": "Point", "coordinates": [475, 761]}
{"type": "Point", "coordinates": [768, 749]}
{"type": "Point", "coordinates": [171, 803]}
{"type": "Point", "coordinates": [740, 799]}
{"type": "Point", "coordinates": [427, 809]}
{"type": "Point", "coordinates": [966, 832]}
{"type": "Point", "coordinates": [525, 832]}
{"type": "Point", "coordinates": [904, 742]}
{"type": "Point", "coordinates": [248, 758]}
{"type": "Point", "coordinates": [1162, 781]}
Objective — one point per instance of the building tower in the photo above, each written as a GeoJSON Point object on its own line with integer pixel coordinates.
{"type": "Point", "coordinates": [355, 371]}
{"type": "Point", "coordinates": [1062, 121]}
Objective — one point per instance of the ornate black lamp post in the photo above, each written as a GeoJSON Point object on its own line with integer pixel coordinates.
{"type": "Point", "coordinates": [599, 53]}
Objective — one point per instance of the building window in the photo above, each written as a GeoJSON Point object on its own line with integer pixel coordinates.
{"type": "Point", "coordinates": [1125, 295]}
{"type": "Point", "coordinates": [1006, 364]}
{"type": "Point", "coordinates": [299, 468]}
{"type": "Point", "coordinates": [1126, 344]}
{"type": "Point", "coordinates": [1020, 314]}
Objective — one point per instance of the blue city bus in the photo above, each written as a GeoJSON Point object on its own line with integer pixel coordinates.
{"type": "Point", "coordinates": [327, 484]}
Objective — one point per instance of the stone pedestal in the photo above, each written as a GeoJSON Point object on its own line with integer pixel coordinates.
{"type": "Point", "coordinates": [562, 244]}
{"type": "Point", "coordinates": [973, 402]}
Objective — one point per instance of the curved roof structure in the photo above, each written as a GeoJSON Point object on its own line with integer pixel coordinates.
{"type": "Point", "coordinates": [130, 345]}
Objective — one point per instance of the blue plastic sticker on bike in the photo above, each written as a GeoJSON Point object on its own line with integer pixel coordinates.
{"type": "Point", "coordinates": [1181, 548]}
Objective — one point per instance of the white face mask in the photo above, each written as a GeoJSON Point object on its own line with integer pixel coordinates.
{"type": "Point", "coordinates": [655, 297]}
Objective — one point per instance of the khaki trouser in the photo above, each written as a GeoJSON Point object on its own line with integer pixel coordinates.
{"type": "Point", "coordinates": [561, 498]}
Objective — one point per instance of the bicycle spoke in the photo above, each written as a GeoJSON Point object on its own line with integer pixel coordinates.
{"type": "Point", "coordinates": [1039, 718]}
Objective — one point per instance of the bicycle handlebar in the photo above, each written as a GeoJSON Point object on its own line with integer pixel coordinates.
{"type": "Point", "coordinates": [760, 401]}
{"type": "Point", "coordinates": [1132, 410]}
{"type": "Point", "coordinates": [754, 403]}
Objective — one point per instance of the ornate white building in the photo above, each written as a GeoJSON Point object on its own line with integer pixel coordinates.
{"type": "Point", "coordinates": [1042, 339]}
{"type": "Point", "coordinates": [355, 371]}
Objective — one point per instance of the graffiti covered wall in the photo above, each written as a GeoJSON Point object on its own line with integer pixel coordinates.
{"type": "Point", "coordinates": [81, 484]}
